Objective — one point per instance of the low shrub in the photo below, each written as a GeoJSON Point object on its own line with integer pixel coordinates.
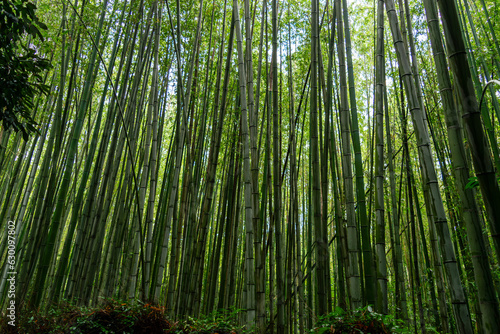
{"type": "Point", "coordinates": [116, 317]}
{"type": "Point", "coordinates": [362, 320]}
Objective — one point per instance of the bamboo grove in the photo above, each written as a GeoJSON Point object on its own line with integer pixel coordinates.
{"type": "Point", "coordinates": [282, 158]}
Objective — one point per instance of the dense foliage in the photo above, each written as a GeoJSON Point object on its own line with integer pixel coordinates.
{"type": "Point", "coordinates": [22, 69]}
{"type": "Point", "coordinates": [117, 317]}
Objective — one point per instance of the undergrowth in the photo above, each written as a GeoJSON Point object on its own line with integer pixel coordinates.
{"type": "Point", "coordinates": [140, 318]}
{"type": "Point", "coordinates": [116, 317]}
{"type": "Point", "coordinates": [362, 320]}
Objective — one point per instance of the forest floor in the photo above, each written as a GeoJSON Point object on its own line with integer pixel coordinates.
{"type": "Point", "coordinates": [140, 318]}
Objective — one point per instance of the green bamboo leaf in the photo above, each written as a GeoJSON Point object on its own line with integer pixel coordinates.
{"type": "Point", "coordinates": [473, 182]}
